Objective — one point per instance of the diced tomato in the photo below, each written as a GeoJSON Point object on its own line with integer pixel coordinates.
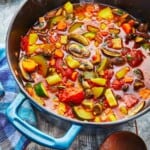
{"type": "Point", "coordinates": [117, 84]}
{"type": "Point", "coordinates": [72, 94]}
{"type": "Point", "coordinates": [130, 100]}
{"type": "Point", "coordinates": [108, 74]}
{"type": "Point", "coordinates": [68, 72]}
{"type": "Point", "coordinates": [24, 43]}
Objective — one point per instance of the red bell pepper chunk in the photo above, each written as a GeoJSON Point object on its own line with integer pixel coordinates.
{"type": "Point", "coordinates": [24, 43]}
{"type": "Point", "coordinates": [73, 94]}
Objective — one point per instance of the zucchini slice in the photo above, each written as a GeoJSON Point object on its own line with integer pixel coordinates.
{"type": "Point", "coordinates": [82, 113]}
{"type": "Point", "coordinates": [40, 89]}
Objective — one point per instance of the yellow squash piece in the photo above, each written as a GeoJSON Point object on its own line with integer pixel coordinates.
{"type": "Point", "coordinates": [33, 37]}
{"type": "Point", "coordinates": [68, 7]}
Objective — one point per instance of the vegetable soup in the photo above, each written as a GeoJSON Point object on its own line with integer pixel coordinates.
{"type": "Point", "coordinates": [88, 62]}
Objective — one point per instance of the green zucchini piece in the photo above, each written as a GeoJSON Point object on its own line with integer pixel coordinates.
{"type": "Point", "coordinates": [110, 98]}
{"type": "Point", "coordinates": [82, 113]}
{"type": "Point", "coordinates": [40, 89]}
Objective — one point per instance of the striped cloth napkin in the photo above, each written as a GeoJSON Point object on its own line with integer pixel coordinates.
{"type": "Point", "coordinates": [10, 138]}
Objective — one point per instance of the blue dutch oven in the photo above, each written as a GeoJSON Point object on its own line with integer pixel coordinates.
{"type": "Point", "coordinates": [22, 21]}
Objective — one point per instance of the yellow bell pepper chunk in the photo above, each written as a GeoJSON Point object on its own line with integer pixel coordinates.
{"type": "Point", "coordinates": [106, 13]}
{"type": "Point", "coordinates": [68, 7]}
{"type": "Point", "coordinates": [72, 63]}
{"type": "Point", "coordinates": [32, 48]}
{"type": "Point", "coordinates": [33, 37]}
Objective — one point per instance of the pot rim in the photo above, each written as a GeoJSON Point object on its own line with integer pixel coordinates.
{"type": "Point", "coordinates": [121, 121]}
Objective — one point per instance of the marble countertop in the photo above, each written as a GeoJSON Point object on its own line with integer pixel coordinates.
{"type": "Point", "coordinates": [85, 140]}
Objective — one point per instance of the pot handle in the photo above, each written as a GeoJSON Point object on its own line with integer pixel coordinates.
{"type": "Point", "coordinates": [35, 134]}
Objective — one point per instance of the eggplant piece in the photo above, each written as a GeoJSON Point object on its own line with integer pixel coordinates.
{"type": "Point", "coordinates": [136, 108]}
{"type": "Point", "coordinates": [118, 61]}
{"type": "Point", "coordinates": [110, 53]}
{"type": "Point", "coordinates": [82, 113]}
{"type": "Point", "coordinates": [78, 50]}
{"type": "Point", "coordinates": [24, 74]}
{"type": "Point", "coordinates": [138, 84]}
{"type": "Point", "coordinates": [79, 38]}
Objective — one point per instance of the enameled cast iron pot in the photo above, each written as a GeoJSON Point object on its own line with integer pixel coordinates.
{"type": "Point", "coordinates": [23, 20]}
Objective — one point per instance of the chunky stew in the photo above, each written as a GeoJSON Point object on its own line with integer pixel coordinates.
{"type": "Point", "coordinates": [88, 62]}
